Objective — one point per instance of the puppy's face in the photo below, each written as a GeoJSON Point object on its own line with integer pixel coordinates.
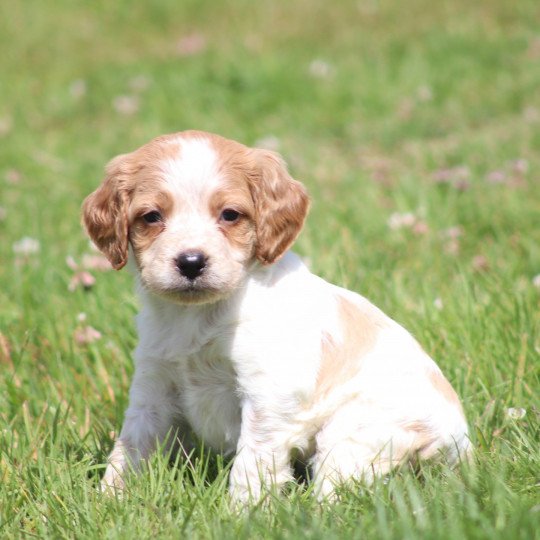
{"type": "Point", "coordinates": [197, 210]}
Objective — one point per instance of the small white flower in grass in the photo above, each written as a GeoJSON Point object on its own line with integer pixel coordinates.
{"type": "Point", "coordinates": [452, 247]}
{"type": "Point", "coordinates": [520, 166]}
{"type": "Point", "coordinates": [139, 83]}
{"type": "Point", "coordinates": [270, 142]}
{"type": "Point", "coordinates": [253, 42]}
{"type": "Point", "coordinates": [399, 220]}
{"type": "Point", "coordinates": [531, 115]}
{"type": "Point", "coordinates": [462, 185]}
{"type": "Point", "coordinates": [420, 228]}
{"type": "Point", "coordinates": [533, 50]}
{"type": "Point", "coordinates": [496, 177]}
{"type": "Point", "coordinates": [480, 263]}
{"type": "Point", "coordinates": [126, 105]}
{"type": "Point", "coordinates": [6, 125]}
{"type": "Point", "coordinates": [516, 413]}
{"type": "Point", "coordinates": [320, 69]}
{"type": "Point", "coordinates": [81, 279]}
{"type": "Point", "coordinates": [191, 44]}
{"type": "Point", "coordinates": [452, 232]}
{"type": "Point", "coordinates": [424, 93]}
{"type": "Point", "coordinates": [96, 262]}
{"type": "Point", "coordinates": [419, 511]}
{"type": "Point", "coordinates": [26, 246]}
{"type": "Point", "coordinates": [81, 276]}
{"type": "Point", "coordinates": [48, 160]}
{"type": "Point", "coordinates": [452, 236]}
{"type": "Point", "coordinates": [407, 220]}
{"type": "Point", "coordinates": [70, 261]}
{"type": "Point", "coordinates": [456, 177]}
{"type": "Point", "coordinates": [85, 335]}
{"type": "Point", "coordinates": [438, 303]}
{"type": "Point", "coordinates": [13, 176]}
{"type": "Point", "coordinates": [77, 88]}
{"type": "Point", "coordinates": [405, 108]}
{"type": "Point", "coordinates": [5, 349]}
{"type": "Point", "coordinates": [442, 176]}
{"type": "Point", "coordinates": [536, 281]}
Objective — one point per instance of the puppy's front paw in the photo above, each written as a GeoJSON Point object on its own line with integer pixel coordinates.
{"type": "Point", "coordinates": [238, 500]}
{"type": "Point", "coordinates": [112, 482]}
{"type": "Point", "coordinates": [244, 489]}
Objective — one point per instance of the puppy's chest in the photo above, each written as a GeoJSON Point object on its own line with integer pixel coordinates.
{"type": "Point", "coordinates": [211, 399]}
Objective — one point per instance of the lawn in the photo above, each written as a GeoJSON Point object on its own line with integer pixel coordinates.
{"type": "Point", "coordinates": [416, 128]}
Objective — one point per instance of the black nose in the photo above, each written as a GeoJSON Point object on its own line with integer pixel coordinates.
{"type": "Point", "coordinates": [191, 264]}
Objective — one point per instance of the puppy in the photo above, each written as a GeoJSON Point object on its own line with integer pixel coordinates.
{"type": "Point", "coordinates": [239, 344]}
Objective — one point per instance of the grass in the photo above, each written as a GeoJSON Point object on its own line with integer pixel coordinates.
{"type": "Point", "coordinates": [382, 109]}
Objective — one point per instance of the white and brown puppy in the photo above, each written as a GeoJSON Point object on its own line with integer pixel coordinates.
{"type": "Point", "coordinates": [239, 343]}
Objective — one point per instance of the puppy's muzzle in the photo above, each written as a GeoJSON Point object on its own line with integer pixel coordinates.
{"type": "Point", "coordinates": [191, 264]}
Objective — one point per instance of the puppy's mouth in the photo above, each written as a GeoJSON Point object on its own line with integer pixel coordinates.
{"type": "Point", "coordinates": [196, 290]}
{"type": "Point", "coordinates": [208, 287]}
{"type": "Point", "coordinates": [193, 292]}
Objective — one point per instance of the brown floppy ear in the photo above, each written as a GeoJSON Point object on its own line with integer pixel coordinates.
{"type": "Point", "coordinates": [104, 215]}
{"type": "Point", "coordinates": [281, 206]}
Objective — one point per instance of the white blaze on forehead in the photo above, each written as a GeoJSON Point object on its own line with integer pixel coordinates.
{"type": "Point", "coordinates": [194, 172]}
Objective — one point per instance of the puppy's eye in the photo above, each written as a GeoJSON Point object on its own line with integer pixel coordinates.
{"type": "Point", "coordinates": [152, 217]}
{"type": "Point", "coordinates": [230, 215]}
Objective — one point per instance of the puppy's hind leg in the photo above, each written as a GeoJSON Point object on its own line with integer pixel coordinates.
{"type": "Point", "coordinates": [263, 459]}
{"type": "Point", "coordinates": [354, 451]}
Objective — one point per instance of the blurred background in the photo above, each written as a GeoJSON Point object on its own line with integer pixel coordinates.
{"type": "Point", "coordinates": [414, 125]}
{"type": "Point", "coordinates": [357, 92]}
{"type": "Point", "coordinates": [416, 128]}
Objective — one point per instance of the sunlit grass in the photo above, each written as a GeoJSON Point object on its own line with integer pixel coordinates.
{"type": "Point", "coordinates": [416, 129]}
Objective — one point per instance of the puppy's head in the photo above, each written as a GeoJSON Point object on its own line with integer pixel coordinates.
{"type": "Point", "coordinates": [197, 210]}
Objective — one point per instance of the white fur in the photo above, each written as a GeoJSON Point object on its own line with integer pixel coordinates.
{"type": "Point", "coordinates": [240, 372]}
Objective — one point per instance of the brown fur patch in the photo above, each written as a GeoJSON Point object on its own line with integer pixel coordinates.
{"type": "Point", "coordinates": [426, 442]}
{"type": "Point", "coordinates": [235, 195]}
{"type": "Point", "coordinates": [105, 217]}
{"type": "Point", "coordinates": [441, 384]}
{"type": "Point", "coordinates": [281, 206]}
{"type": "Point", "coordinates": [342, 361]}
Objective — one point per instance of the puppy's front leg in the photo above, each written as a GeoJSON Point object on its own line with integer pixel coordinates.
{"type": "Point", "coordinates": [147, 421]}
{"type": "Point", "coordinates": [262, 458]}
